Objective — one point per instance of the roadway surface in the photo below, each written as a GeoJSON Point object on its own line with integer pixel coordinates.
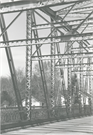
{"type": "Point", "coordinates": [79, 126]}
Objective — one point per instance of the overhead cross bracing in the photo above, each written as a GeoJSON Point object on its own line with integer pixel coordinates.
{"type": "Point", "coordinates": [68, 35]}
{"type": "Point", "coordinates": [34, 4]}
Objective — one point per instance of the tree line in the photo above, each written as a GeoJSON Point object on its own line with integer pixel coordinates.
{"type": "Point", "coordinates": [7, 90]}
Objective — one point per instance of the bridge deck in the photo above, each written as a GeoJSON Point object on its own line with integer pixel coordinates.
{"type": "Point", "coordinates": [80, 126]}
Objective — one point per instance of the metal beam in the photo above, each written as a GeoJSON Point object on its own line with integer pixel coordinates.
{"type": "Point", "coordinates": [28, 94]}
{"type": "Point", "coordinates": [10, 24]}
{"type": "Point", "coordinates": [12, 68]}
{"type": "Point", "coordinates": [62, 38]}
{"type": "Point", "coordinates": [82, 22]}
{"type": "Point", "coordinates": [79, 6]}
{"type": "Point", "coordinates": [52, 90]}
{"type": "Point", "coordinates": [82, 70]}
{"type": "Point", "coordinates": [28, 2]}
{"type": "Point", "coordinates": [68, 54]}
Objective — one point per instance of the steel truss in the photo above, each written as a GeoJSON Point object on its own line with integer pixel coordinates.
{"type": "Point", "coordinates": [73, 35]}
{"type": "Point", "coordinates": [12, 68]}
{"type": "Point", "coordinates": [28, 64]}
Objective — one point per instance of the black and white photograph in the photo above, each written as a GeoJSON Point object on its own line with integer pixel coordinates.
{"type": "Point", "coordinates": [46, 67]}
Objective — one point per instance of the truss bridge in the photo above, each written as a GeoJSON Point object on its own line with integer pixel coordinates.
{"type": "Point", "coordinates": [55, 41]}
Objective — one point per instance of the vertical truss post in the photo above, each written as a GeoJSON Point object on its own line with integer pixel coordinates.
{"type": "Point", "coordinates": [28, 64]}
{"type": "Point", "coordinates": [41, 66]}
{"type": "Point", "coordinates": [73, 92]}
{"type": "Point", "coordinates": [80, 82]}
{"type": "Point", "coordinates": [90, 89]}
{"type": "Point", "coordinates": [83, 98]}
{"type": "Point", "coordinates": [91, 94]}
{"type": "Point", "coordinates": [90, 103]}
{"type": "Point", "coordinates": [73, 87]}
{"type": "Point", "coordinates": [52, 93]}
{"type": "Point", "coordinates": [86, 90]}
{"type": "Point", "coordinates": [69, 83]}
{"type": "Point", "coordinates": [12, 68]}
{"type": "Point", "coordinates": [80, 107]}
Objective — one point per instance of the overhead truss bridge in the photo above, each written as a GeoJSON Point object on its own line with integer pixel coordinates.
{"type": "Point", "coordinates": [65, 29]}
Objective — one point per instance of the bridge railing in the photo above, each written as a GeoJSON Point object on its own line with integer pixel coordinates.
{"type": "Point", "coordinates": [10, 115]}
